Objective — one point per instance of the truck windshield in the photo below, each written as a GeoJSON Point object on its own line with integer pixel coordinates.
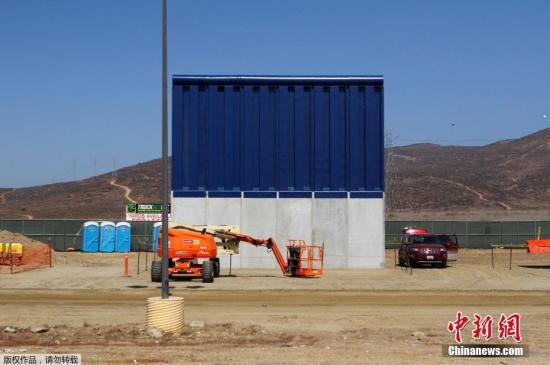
{"type": "Point", "coordinates": [426, 239]}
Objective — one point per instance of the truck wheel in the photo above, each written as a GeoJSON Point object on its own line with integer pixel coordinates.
{"type": "Point", "coordinates": [207, 272]}
{"type": "Point", "coordinates": [156, 271]}
{"type": "Point", "coordinates": [216, 267]}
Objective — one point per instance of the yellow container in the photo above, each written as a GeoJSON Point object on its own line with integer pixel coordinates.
{"type": "Point", "coordinates": [1, 249]}
{"type": "Point", "coordinates": [16, 249]}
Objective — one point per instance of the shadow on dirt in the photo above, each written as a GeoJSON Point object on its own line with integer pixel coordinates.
{"type": "Point", "coordinates": [535, 266]}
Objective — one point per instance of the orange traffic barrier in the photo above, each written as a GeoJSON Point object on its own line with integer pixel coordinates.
{"type": "Point", "coordinates": [126, 264]}
{"type": "Point", "coordinates": [538, 246]}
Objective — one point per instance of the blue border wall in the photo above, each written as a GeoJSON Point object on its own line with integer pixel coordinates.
{"type": "Point", "coordinates": [294, 135]}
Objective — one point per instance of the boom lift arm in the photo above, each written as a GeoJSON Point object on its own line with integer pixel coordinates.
{"type": "Point", "coordinates": [269, 243]}
{"type": "Point", "coordinates": [301, 258]}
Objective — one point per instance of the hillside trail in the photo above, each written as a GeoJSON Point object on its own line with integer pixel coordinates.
{"type": "Point", "coordinates": [479, 194]}
{"type": "Point", "coordinates": [3, 196]}
{"type": "Point", "coordinates": [127, 190]}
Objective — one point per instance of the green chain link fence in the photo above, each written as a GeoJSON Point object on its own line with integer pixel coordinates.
{"type": "Point", "coordinates": [473, 234]}
{"type": "Point", "coordinates": [66, 234]}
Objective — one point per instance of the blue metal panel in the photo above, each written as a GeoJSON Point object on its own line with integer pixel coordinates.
{"type": "Point", "coordinates": [232, 139]}
{"type": "Point", "coordinates": [276, 80]}
{"type": "Point", "coordinates": [195, 177]}
{"type": "Point", "coordinates": [260, 194]}
{"type": "Point", "coordinates": [331, 194]}
{"type": "Point", "coordinates": [179, 138]}
{"type": "Point", "coordinates": [295, 194]}
{"type": "Point", "coordinates": [224, 194]}
{"type": "Point", "coordinates": [303, 166]}
{"type": "Point", "coordinates": [356, 145]}
{"type": "Point", "coordinates": [286, 134]}
{"type": "Point", "coordinates": [337, 145]}
{"type": "Point", "coordinates": [250, 142]}
{"type": "Point", "coordinates": [373, 141]}
{"type": "Point", "coordinates": [321, 134]}
{"type": "Point", "coordinates": [366, 195]}
{"type": "Point", "coordinates": [214, 123]}
{"type": "Point", "coordinates": [189, 194]}
{"type": "Point", "coordinates": [202, 146]}
{"type": "Point", "coordinates": [285, 140]}
{"type": "Point", "coordinates": [268, 131]}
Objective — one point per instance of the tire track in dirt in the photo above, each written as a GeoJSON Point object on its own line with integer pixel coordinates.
{"type": "Point", "coordinates": [127, 190]}
{"type": "Point", "coordinates": [479, 194]}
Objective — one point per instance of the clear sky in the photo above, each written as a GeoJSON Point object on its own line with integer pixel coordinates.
{"type": "Point", "coordinates": [80, 81]}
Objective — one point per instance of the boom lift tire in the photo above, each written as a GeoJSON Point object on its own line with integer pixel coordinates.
{"type": "Point", "coordinates": [216, 262]}
{"type": "Point", "coordinates": [207, 272]}
{"type": "Point", "coordinates": [156, 271]}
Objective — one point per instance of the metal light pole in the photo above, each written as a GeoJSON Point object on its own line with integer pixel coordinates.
{"type": "Point", "coordinates": [165, 186]}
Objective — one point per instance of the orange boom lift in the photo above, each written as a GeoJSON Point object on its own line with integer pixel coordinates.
{"type": "Point", "coordinates": [193, 253]}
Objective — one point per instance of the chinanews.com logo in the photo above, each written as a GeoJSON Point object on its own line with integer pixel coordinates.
{"type": "Point", "coordinates": [484, 327]}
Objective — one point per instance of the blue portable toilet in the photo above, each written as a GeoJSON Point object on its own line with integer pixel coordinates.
{"type": "Point", "coordinates": [107, 237]}
{"type": "Point", "coordinates": [123, 237]}
{"type": "Point", "coordinates": [90, 237]}
{"type": "Point", "coordinates": [155, 234]}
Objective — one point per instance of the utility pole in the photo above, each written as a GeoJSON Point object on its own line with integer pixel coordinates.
{"type": "Point", "coordinates": [165, 186]}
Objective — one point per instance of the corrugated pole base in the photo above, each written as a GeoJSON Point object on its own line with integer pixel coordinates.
{"type": "Point", "coordinates": [166, 314]}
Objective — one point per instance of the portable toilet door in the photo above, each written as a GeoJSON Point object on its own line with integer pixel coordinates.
{"type": "Point", "coordinates": [123, 237]}
{"type": "Point", "coordinates": [107, 237]}
{"type": "Point", "coordinates": [90, 237]}
{"type": "Point", "coordinates": [156, 231]}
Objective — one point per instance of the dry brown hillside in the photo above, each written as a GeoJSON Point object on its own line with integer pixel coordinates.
{"type": "Point", "coordinates": [509, 176]}
{"type": "Point", "coordinates": [102, 197]}
{"type": "Point", "coordinates": [504, 180]}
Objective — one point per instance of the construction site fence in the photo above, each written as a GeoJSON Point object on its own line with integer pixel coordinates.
{"type": "Point", "coordinates": [67, 234]}
{"type": "Point", "coordinates": [475, 234]}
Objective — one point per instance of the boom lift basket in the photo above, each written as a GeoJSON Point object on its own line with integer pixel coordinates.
{"type": "Point", "coordinates": [304, 260]}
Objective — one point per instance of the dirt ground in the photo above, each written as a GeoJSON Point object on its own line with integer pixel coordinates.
{"type": "Point", "coordinates": [374, 316]}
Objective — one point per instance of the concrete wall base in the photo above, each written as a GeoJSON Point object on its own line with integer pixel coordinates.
{"type": "Point", "coordinates": [351, 229]}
